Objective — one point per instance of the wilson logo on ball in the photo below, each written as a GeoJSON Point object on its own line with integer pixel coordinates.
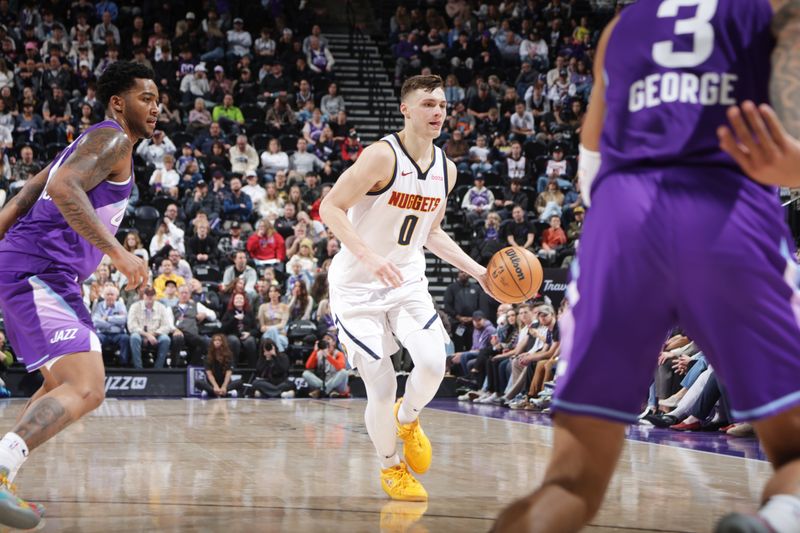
{"type": "Point", "coordinates": [515, 275]}
{"type": "Point", "coordinates": [515, 262]}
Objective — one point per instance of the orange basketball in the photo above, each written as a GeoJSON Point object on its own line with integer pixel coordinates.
{"type": "Point", "coordinates": [514, 275]}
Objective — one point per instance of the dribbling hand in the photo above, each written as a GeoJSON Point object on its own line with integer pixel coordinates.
{"type": "Point", "coordinates": [483, 281]}
{"type": "Point", "coordinates": [133, 267]}
{"type": "Point", "coordinates": [384, 270]}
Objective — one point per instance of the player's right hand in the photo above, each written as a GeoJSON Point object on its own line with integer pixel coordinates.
{"type": "Point", "coordinates": [757, 141]}
{"type": "Point", "coordinates": [133, 267]}
{"type": "Point", "coordinates": [384, 270]}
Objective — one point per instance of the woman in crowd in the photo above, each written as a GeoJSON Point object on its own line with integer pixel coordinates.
{"type": "Point", "coordinates": [218, 382]}
{"type": "Point", "coordinates": [273, 317]}
{"type": "Point", "coordinates": [239, 324]}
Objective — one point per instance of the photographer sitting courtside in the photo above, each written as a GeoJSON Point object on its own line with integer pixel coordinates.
{"type": "Point", "coordinates": [272, 372]}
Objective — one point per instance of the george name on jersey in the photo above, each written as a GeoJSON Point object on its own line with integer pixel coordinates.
{"type": "Point", "coordinates": [710, 88]}
{"type": "Point", "coordinates": [415, 202]}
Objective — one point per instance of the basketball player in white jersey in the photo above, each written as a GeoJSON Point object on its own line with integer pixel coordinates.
{"type": "Point", "coordinates": [384, 209]}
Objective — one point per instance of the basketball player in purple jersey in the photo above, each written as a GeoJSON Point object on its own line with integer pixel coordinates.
{"type": "Point", "coordinates": [677, 234]}
{"type": "Point", "coordinates": [54, 233]}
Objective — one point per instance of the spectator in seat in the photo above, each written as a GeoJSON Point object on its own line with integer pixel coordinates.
{"type": "Point", "coordinates": [519, 231]}
{"type": "Point", "coordinates": [511, 195]}
{"type": "Point", "coordinates": [461, 299]}
{"type": "Point", "coordinates": [274, 159]}
{"type": "Point", "coordinates": [556, 170]}
{"type": "Point", "coordinates": [149, 323]}
{"type": "Point", "coordinates": [199, 117]}
{"type": "Point", "coordinates": [305, 257]}
{"type": "Point", "coordinates": [201, 249]}
{"type": "Point", "coordinates": [239, 41]}
{"type": "Point", "coordinates": [243, 157]}
{"type": "Point", "coordinates": [165, 180]}
{"type": "Point", "coordinates": [266, 246]}
{"type": "Point", "coordinates": [228, 115]}
{"type": "Point", "coordinates": [240, 269]}
{"type": "Point", "coordinates": [272, 372]}
{"type": "Point", "coordinates": [470, 361]}
{"type": "Point", "coordinates": [110, 318]}
{"type": "Point", "coordinates": [200, 295]}
{"type": "Point", "coordinates": [273, 316]}
{"type": "Point", "coordinates": [515, 162]}
{"type": "Point", "coordinates": [286, 223]}
{"type": "Point", "coordinates": [218, 382]}
{"type": "Point", "coordinates": [553, 241]}
{"type": "Point", "coordinates": [477, 201]}
{"type": "Point", "coordinates": [188, 316]}
{"type": "Point", "coordinates": [576, 226]}
{"type": "Point", "coordinates": [133, 244]}
{"type": "Point", "coordinates": [301, 303]}
{"type": "Point", "coordinates": [457, 150]}
{"type": "Point", "coordinates": [478, 105]}
{"type": "Point", "coordinates": [25, 168]}
{"type": "Point", "coordinates": [237, 205]}
{"type": "Point", "coordinates": [200, 199]}
{"type": "Point", "coordinates": [325, 370]}
{"type": "Point", "coordinates": [231, 245]}
{"type": "Point", "coordinates": [479, 156]}
{"type": "Point", "coordinates": [167, 274]}
{"type": "Point", "coordinates": [302, 162]}
{"type": "Point", "coordinates": [332, 103]}
{"type": "Point", "coordinates": [153, 150]}
{"type": "Point", "coordinates": [271, 207]}
{"type": "Point", "coordinates": [522, 123]}
{"type": "Point", "coordinates": [239, 324]}
{"type": "Point", "coordinates": [550, 202]}
{"type": "Point", "coordinates": [487, 240]}
{"type": "Point", "coordinates": [204, 142]}
{"type": "Point", "coordinates": [170, 296]}
{"type": "Point", "coordinates": [408, 53]}
{"type": "Point", "coordinates": [255, 191]}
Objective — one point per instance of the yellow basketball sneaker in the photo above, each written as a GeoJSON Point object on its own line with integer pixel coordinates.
{"type": "Point", "coordinates": [416, 445]}
{"type": "Point", "coordinates": [399, 484]}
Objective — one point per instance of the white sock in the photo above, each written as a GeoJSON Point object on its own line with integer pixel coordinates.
{"type": "Point", "coordinates": [13, 452]}
{"type": "Point", "coordinates": [782, 512]}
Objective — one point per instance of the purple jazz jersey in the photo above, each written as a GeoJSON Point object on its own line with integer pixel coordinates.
{"type": "Point", "coordinates": [42, 261]}
{"type": "Point", "coordinates": [677, 235]}
{"type": "Point", "coordinates": [672, 68]}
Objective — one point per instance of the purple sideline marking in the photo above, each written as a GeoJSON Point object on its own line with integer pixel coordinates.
{"type": "Point", "coordinates": [704, 441]}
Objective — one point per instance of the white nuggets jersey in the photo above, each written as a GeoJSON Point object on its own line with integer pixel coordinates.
{"type": "Point", "coordinates": [395, 221]}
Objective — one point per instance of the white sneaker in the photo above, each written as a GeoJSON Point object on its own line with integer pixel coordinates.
{"type": "Point", "coordinates": [204, 394]}
{"type": "Point", "coordinates": [287, 394]}
{"type": "Point", "coordinates": [488, 398]}
{"type": "Point", "coordinates": [234, 393]}
{"type": "Point", "coordinates": [464, 397]}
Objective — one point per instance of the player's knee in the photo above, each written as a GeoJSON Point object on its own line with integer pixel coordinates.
{"type": "Point", "coordinates": [92, 394]}
{"type": "Point", "coordinates": [432, 367]}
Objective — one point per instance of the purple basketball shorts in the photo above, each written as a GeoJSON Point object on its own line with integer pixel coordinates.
{"type": "Point", "coordinates": [704, 249]}
{"type": "Point", "coordinates": [45, 317]}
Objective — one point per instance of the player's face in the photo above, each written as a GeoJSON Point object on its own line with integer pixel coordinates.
{"type": "Point", "coordinates": [141, 108]}
{"type": "Point", "coordinates": [427, 111]}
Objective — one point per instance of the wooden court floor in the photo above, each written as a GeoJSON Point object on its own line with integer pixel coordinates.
{"type": "Point", "coordinates": [308, 466]}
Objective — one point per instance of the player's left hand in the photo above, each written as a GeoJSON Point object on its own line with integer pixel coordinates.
{"type": "Point", "coordinates": [760, 145]}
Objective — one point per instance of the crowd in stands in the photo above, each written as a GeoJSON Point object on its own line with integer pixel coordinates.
{"type": "Point", "coordinates": [252, 132]}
